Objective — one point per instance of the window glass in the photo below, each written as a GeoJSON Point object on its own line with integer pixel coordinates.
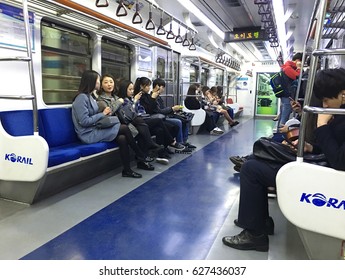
{"type": "Point", "coordinates": [66, 54]}
{"type": "Point", "coordinates": [115, 59]}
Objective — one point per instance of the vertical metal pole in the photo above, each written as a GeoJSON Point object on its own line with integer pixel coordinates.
{"type": "Point", "coordinates": [311, 76]}
{"type": "Point", "coordinates": [30, 64]}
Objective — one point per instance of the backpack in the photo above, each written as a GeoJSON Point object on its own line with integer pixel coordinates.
{"type": "Point", "coordinates": [278, 84]}
{"type": "Point", "coordinates": [281, 84]}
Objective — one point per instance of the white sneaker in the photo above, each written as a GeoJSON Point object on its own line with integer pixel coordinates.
{"type": "Point", "coordinates": [164, 161]}
{"type": "Point", "coordinates": [219, 130]}
{"type": "Point", "coordinates": [215, 132]}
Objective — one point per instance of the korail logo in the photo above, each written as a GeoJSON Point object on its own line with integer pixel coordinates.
{"type": "Point", "coordinates": [319, 200]}
{"type": "Point", "coordinates": [19, 159]}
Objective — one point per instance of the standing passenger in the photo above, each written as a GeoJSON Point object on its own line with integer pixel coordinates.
{"type": "Point", "coordinates": [292, 70]}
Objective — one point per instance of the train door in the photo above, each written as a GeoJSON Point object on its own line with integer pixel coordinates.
{"type": "Point", "coordinates": [167, 68]}
{"type": "Point", "coordinates": [266, 103]}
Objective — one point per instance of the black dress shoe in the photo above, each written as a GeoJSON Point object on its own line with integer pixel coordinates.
{"type": "Point", "coordinates": [145, 165]}
{"type": "Point", "coordinates": [237, 160]}
{"type": "Point", "coordinates": [269, 225]}
{"type": "Point", "coordinates": [131, 174]}
{"type": "Point", "coordinates": [246, 241]}
{"type": "Point", "coordinates": [234, 123]}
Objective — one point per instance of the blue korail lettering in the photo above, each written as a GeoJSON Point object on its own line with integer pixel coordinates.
{"type": "Point", "coordinates": [7, 156]}
{"type": "Point", "coordinates": [332, 202]}
{"type": "Point", "coordinates": [341, 204]}
{"type": "Point", "coordinates": [305, 197]}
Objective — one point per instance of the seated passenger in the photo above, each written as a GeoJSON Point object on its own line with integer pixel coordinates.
{"type": "Point", "coordinates": [256, 174]}
{"type": "Point", "coordinates": [144, 103]}
{"type": "Point", "coordinates": [191, 102]}
{"type": "Point", "coordinates": [217, 109]}
{"type": "Point", "coordinates": [160, 108]}
{"type": "Point", "coordinates": [137, 126]}
{"type": "Point", "coordinates": [85, 114]}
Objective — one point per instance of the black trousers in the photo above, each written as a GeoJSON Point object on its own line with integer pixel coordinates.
{"type": "Point", "coordinates": [144, 139]}
{"type": "Point", "coordinates": [255, 176]}
{"type": "Point", "coordinates": [159, 129]}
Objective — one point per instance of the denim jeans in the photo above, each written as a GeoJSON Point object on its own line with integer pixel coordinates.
{"type": "Point", "coordinates": [182, 135]}
{"type": "Point", "coordinates": [285, 110]}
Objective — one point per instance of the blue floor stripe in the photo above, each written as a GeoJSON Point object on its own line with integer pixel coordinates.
{"type": "Point", "coordinates": [175, 215]}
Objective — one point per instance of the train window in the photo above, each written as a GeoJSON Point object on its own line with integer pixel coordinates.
{"type": "Point", "coordinates": [66, 53]}
{"type": "Point", "coordinates": [116, 59]}
{"type": "Point", "coordinates": [204, 76]}
{"type": "Point", "coordinates": [160, 67]}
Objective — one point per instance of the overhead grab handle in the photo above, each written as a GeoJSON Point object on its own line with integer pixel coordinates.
{"type": "Point", "coordinates": [161, 30]}
{"type": "Point", "coordinates": [137, 19]}
{"type": "Point", "coordinates": [185, 42]}
{"type": "Point", "coordinates": [106, 4]}
{"type": "Point", "coordinates": [150, 25]}
{"type": "Point", "coordinates": [170, 34]}
{"type": "Point", "coordinates": [121, 10]}
{"type": "Point", "coordinates": [178, 38]}
{"type": "Point", "coordinates": [192, 46]}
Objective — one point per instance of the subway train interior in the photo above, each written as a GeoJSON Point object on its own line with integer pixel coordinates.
{"type": "Point", "coordinates": [63, 199]}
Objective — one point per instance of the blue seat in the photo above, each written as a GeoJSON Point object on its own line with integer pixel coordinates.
{"type": "Point", "coordinates": [56, 127]}
{"type": "Point", "coordinates": [17, 123]}
{"type": "Point", "coordinates": [61, 137]}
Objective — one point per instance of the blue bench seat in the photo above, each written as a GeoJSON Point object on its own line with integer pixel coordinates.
{"type": "Point", "coordinates": [56, 127]}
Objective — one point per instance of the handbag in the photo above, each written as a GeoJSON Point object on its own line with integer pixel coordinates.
{"type": "Point", "coordinates": [107, 121]}
{"type": "Point", "coordinates": [268, 149]}
{"type": "Point", "coordinates": [183, 116]}
{"type": "Point", "coordinates": [126, 114]}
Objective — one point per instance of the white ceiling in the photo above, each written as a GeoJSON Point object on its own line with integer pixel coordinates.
{"type": "Point", "coordinates": [229, 14]}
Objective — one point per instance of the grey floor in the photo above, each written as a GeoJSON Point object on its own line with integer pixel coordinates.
{"type": "Point", "coordinates": [24, 228]}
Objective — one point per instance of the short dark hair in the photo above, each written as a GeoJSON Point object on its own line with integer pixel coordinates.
{"type": "Point", "coordinates": [329, 83]}
{"type": "Point", "coordinates": [160, 82]}
{"type": "Point", "coordinates": [297, 56]}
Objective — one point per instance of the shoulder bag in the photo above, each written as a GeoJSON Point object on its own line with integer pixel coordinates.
{"type": "Point", "coordinates": [107, 121]}
{"type": "Point", "coordinates": [268, 149]}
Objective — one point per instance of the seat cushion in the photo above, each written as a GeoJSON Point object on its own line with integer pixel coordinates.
{"type": "Point", "coordinates": [58, 126]}
{"type": "Point", "coordinates": [87, 149]}
{"type": "Point", "coordinates": [58, 156]}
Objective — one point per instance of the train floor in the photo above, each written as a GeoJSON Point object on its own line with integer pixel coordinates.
{"type": "Point", "coordinates": [179, 211]}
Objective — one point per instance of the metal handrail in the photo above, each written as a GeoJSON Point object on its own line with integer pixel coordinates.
{"type": "Point", "coordinates": [319, 110]}
{"type": "Point", "coordinates": [20, 97]}
{"type": "Point", "coordinates": [321, 9]}
{"type": "Point", "coordinates": [27, 59]}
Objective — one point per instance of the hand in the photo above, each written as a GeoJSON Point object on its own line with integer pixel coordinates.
{"type": "Point", "coordinates": [176, 108]}
{"type": "Point", "coordinates": [296, 106]}
{"type": "Point", "coordinates": [138, 96]}
{"type": "Point", "coordinates": [107, 111]}
{"type": "Point", "coordinates": [323, 119]}
{"type": "Point", "coordinates": [308, 148]}
{"type": "Point", "coordinates": [155, 94]}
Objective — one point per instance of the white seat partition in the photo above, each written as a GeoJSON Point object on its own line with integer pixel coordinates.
{"type": "Point", "coordinates": [199, 116]}
{"type": "Point", "coordinates": [22, 158]}
{"type": "Point", "coordinates": [312, 197]}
